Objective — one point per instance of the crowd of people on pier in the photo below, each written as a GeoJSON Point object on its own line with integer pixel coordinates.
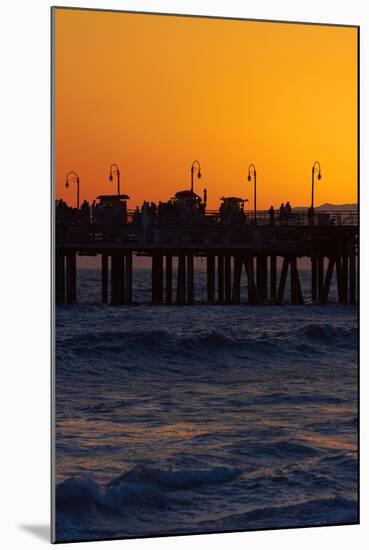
{"type": "Point", "coordinates": [90, 213]}
{"type": "Point", "coordinates": [178, 208]}
{"type": "Point", "coordinates": [148, 214]}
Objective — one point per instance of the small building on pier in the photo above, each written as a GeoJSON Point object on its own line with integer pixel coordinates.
{"type": "Point", "coordinates": [110, 209]}
{"type": "Point", "coordinates": [232, 210]}
{"type": "Point", "coordinates": [188, 204]}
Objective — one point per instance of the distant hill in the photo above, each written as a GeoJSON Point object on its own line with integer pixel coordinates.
{"type": "Point", "coordinates": [328, 206]}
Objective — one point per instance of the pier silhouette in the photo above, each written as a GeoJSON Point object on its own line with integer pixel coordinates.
{"type": "Point", "coordinates": [232, 241]}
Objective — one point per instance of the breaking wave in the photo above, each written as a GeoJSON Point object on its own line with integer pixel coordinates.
{"type": "Point", "coordinates": [163, 343]}
{"type": "Point", "coordinates": [140, 485]}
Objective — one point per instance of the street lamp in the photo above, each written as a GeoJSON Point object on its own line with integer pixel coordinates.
{"type": "Point", "coordinates": [73, 176]}
{"type": "Point", "coordinates": [114, 170]}
{"type": "Point", "coordinates": [315, 170]}
{"type": "Point", "coordinates": [252, 169]}
{"type": "Point", "coordinates": [195, 163]}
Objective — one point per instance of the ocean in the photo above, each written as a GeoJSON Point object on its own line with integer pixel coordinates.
{"type": "Point", "coordinates": [188, 419]}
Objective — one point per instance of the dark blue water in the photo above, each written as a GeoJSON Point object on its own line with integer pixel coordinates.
{"type": "Point", "coordinates": [203, 418]}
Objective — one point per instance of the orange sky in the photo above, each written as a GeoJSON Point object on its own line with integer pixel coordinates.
{"type": "Point", "coordinates": [153, 93]}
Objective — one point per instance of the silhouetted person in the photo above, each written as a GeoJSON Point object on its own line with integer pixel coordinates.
{"type": "Point", "coordinates": [85, 212]}
{"type": "Point", "coordinates": [271, 215]}
{"type": "Point", "coordinates": [161, 209]}
{"type": "Point", "coordinates": [222, 210]}
{"type": "Point", "coordinates": [93, 211]}
{"type": "Point", "coordinates": [61, 208]}
{"type": "Point", "coordinates": [136, 218]}
{"type": "Point", "coordinates": [281, 212]}
{"type": "Point", "coordinates": [287, 211]}
{"type": "Point", "coordinates": [152, 211]}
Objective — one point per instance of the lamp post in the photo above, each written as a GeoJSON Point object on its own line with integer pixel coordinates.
{"type": "Point", "coordinates": [197, 164]}
{"type": "Point", "coordinates": [114, 171]}
{"type": "Point", "coordinates": [315, 170]}
{"type": "Point", "coordinates": [253, 170]}
{"type": "Point", "coordinates": [73, 176]}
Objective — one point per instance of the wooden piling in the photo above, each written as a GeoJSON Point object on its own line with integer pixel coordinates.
{"type": "Point", "coordinates": [181, 280]}
{"type": "Point", "coordinates": [300, 296]}
{"type": "Point", "coordinates": [345, 286]}
{"type": "Point", "coordinates": [59, 277]}
{"type": "Point", "coordinates": [190, 282]}
{"type": "Point", "coordinates": [237, 272]}
{"type": "Point", "coordinates": [293, 269]}
{"type": "Point", "coordinates": [157, 279]}
{"type": "Point", "coordinates": [71, 278]}
{"type": "Point", "coordinates": [320, 267]}
{"type": "Point", "coordinates": [352, 275]}
{"type": "Point", "coordinates": [273, 277]}
{"type": "Point", "coordinates": [338, 264]}
{"type": "Point", "coordinates": [210, 263]}
{"type": "Point", "coordinates": [227, 280]}
{"type": "Point", "coordinates": [74, 277]}
{"type": "Point", "coordinates": [252, 295]}
{"type": "Point", "coordinates": [261, 277]}
{"type": "Point", "coordinates": [104, 277]}
{"type": "Point", "coordinates": [122, 279]}
{"type": "Point", "coordinates": [327, 281]}
{"type": "Point", "coordinates": [282, 281]}
{"type": "Point", "coordinates": [128, 278]}
{"type": "Point", "coordinates": [168, 278]}
{"type": "Point", "coordinates": [314, 279]}
{"type": "Point", "coordinates": [264, 276]}
{"type": "Point", "coordinates": [114, 279]}
{"type": "Point", "coordinates": [220, 279]}
{"type": "Point", "coordinates": [296, 292]}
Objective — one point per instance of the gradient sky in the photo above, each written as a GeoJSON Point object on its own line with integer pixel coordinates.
{"type": "Point", "coordinates": [153, 93]}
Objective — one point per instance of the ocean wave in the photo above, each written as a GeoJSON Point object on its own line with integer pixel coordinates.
{"type": "Point", "coordinates": [323, 511]}
{"type": "Point", "coordinates": [142, 485]}
{"type": "Point", "coordinates": [326, 333]}
{"type": "Point", "coordinates": [283, 449]}
{"type": "Point", "coordinates": [167, 343]}
{"type": "Point", "coordinates": [151, 340]}
{"type": "Point", "coordinates": [176, 479]}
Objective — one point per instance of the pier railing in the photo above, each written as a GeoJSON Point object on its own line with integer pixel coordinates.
{"type": "Point", "coordinates": [209, 228]}
{"type": "Point", "coordinates": [298, 217]}
{"type": "Point", "coordinates": [263, 217]}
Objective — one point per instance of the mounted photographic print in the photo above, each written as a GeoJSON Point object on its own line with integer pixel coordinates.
{"type": "Point", "coordinates": [205, 270]}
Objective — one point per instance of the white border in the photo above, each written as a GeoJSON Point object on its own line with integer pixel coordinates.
{"type": "Point", "coordinates": [25, 266]}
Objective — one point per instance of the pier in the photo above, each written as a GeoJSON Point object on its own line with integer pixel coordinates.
{"type": "Point", "coordinates": [251, 246]}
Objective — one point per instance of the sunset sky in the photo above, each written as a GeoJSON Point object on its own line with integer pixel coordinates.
{"type": "Point", "coordinates": [153, 93]}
